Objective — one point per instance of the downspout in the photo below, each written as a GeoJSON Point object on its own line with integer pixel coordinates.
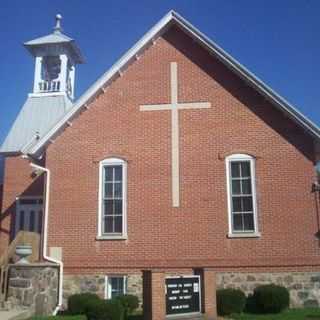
{"type": "Point", "coordinates": [45, 235]}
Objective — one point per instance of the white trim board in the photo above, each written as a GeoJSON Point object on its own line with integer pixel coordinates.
{"type": "Point", "coordinates": [242, 234]}
{"type": "Point", "coordinates": [157, 30]}
{"type": "Point", "coordinates": [102, 164]}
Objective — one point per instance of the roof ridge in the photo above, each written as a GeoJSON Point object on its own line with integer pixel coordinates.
{"type": "Point", "coordinates": [223, 56]}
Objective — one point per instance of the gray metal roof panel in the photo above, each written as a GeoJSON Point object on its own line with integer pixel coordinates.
{"type": "Point", "coordinates": [57, 37]}
{"type": "Point", "coordinates": [37, 116]}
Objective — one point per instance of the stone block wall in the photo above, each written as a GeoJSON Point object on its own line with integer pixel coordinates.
{"type": "Point", "coordinates": [304, 287]}
{"type": "Point", "coordinates": [34, 287]}
{"type": "Point", "coordinates": [96, 284]}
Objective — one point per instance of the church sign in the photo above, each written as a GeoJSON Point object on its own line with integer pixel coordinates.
{"type": "Point", "coordinates": [183, 295]}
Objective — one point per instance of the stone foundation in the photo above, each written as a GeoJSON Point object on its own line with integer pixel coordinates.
{"type": "Point", "coordinates": [34, 287]}
{"type": "Point", "coordinates": [96, 284]}
{"type": "Point", "coordinates": [304, 287]}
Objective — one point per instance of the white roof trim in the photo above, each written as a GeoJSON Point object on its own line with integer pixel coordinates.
{"type": "Point", "coordinates": [153, 33]}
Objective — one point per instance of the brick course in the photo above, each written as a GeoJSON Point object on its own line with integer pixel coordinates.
{"type": "Point", "coordinates": [195, 234]}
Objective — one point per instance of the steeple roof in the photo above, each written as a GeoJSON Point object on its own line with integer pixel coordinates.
{"type": "Point", "coordinates": [54, 38]}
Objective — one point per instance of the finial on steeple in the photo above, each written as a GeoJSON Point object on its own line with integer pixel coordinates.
{"type": "Point", "coordinates": [58, 27]}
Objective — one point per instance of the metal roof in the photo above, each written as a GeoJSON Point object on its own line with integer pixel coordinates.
{"type": "Point", "coordinates": [36, 118]}
{"type": "Point", "coordinates": [157, 30]}
{"type": "Point", "coordinates": [50, 38]}
{"type": "Point", "coordinates": [56, 37]}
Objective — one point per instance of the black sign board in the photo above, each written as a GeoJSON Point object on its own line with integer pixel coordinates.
{"type": "Point", "coordinates": [182, 295]}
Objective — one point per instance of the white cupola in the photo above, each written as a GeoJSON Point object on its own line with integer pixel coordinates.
{"type": "Point", "coordinates": [56, 56]}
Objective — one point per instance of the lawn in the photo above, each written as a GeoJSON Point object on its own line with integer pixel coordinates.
{"type": "Point", "coordinates": [293, 314]}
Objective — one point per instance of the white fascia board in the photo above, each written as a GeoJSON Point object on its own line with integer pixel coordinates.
{"type": "Point", "coordinates": [224, 57]}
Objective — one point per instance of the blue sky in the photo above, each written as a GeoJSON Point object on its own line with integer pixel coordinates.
{"type": "Point", "coordinates": [277, 40]}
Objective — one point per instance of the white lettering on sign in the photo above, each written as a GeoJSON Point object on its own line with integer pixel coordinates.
{"type": "Point", "coordinates": [172, 285]}
{"type": "Point", "coordinates": [187, 285]}
{"type": "Point", "coordinates": [195, 287]}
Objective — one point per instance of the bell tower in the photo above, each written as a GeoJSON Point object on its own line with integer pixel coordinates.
{"type": "Point", "coordinates": [56, 56]}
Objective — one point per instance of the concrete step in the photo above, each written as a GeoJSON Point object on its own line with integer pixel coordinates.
{"type": "Point", "coordinates": [15, 314]}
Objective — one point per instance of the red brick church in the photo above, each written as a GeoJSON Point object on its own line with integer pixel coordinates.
{"type": "Point", "coordinates": [177, 168]}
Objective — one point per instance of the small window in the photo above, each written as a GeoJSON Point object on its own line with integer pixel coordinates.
{"type": "Point", "coordinates": [115, 286]}
{"type": "Point", "coordinates": [112, 211]}
{"type": "Point", "coordinates": [241, 194]}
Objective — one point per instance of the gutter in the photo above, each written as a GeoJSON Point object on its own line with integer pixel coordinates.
{"type": "Point", "coordinates": [45, 235]}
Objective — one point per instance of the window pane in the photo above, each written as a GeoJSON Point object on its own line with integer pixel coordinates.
{"type": "Point", "coordinates": [235, 169]}
{"type": "Point", "coordinates": [108, 190]}
{"type": "Point", "coordinates": [236, 186]}
{"type": "Point", "coordinates": [21, 226]}
{"type": "Point", "coordinates": [117, 286]}
{"type": "Point", "coordinates": [246, 186]}
{"type": "Point", "coordinates": [245, 169]}
{"type": "Point", "coordinates": [108, 224]}
{"type": "Point", "coordinates": [32, 220]}
{"type": "Point", "coordinates": [118, 173]}
{"type": "Point", "coordinates": [248, 222]}
{"type": "Point", "coordinates": [117, 206]}
{"type": "Point", "coordinates": [236, 204]}
{"type": "Point", "coordinates": [108, 207]}
{"type": "Point", "coordinates": [118, 190]}
{"type": "Point", "coordinates": [247, 204]}
{"type": "Point", "coordinates": [237, 222]}
{"type": "Point", "coordinates": [108, 170]}
{"type": "Point", "coordinates": [118, 224]}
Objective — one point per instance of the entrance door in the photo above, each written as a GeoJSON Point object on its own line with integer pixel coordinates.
{"type": "Point", "coordinates": [29, 215]}
{"type": "Point", "coordinates": [183, 295]}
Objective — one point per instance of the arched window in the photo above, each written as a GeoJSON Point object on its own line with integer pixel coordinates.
{"type": "Point", "coordinates": [112, 199]}
{"type": "Point", "coordinates": [242, 204]}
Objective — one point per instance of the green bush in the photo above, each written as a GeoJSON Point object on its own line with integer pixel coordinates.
{"type": "Point", "coordinates": [230, 301]}
{"type": "Point", "coordinates": [270, 298]}
{"type": "Point", "coordinates": [105, 310]}
{"type": "Point", "coordinates": [78, 317]}
{"type": "Point", "coordinates": [129, 303]}
{"type": "Point", "coordinates": [78, 303]}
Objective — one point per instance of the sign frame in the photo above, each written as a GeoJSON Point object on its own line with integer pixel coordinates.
{"type": "Point", "coordinates": [200, 291]}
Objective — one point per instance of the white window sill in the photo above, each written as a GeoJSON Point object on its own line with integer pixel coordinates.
{"type": "Point", "coordinates": [110, 237]}
{"type": "Point", "coordinates": [244, 235]}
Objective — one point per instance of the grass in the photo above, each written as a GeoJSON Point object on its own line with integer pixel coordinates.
{"type": "Point", "coordinates": [293, 314]}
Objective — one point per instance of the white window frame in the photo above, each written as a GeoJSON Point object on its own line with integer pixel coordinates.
{"type": "Point", "coordinates": [110, 236]}
{"type": "Point", "coordinates": [242, 234]}
{"type": "Point", "coordinates": [107, 287]}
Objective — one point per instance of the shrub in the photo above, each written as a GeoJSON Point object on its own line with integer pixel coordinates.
{"type": "Point", "coordinates": [78, 303]}
{"type": "Point", "coordinates": [129, 303]}
{"type": "Point", "coordinates": [230, 301]}
{"type": "Point", "coordinates": [78, 317]}
{"type": "Point", "coordinates": [270, 298]}
{"type": "Point", "coordinates": [105, 310]}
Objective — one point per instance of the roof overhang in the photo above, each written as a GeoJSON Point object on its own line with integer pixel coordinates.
{"type": "Point", "coordinates": [157, 30]}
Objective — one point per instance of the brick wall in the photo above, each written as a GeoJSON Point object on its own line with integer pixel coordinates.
{"type": "Point", "coordinates": [195, 234]}
{"type": "Point", "coordinates": [18, 181]}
